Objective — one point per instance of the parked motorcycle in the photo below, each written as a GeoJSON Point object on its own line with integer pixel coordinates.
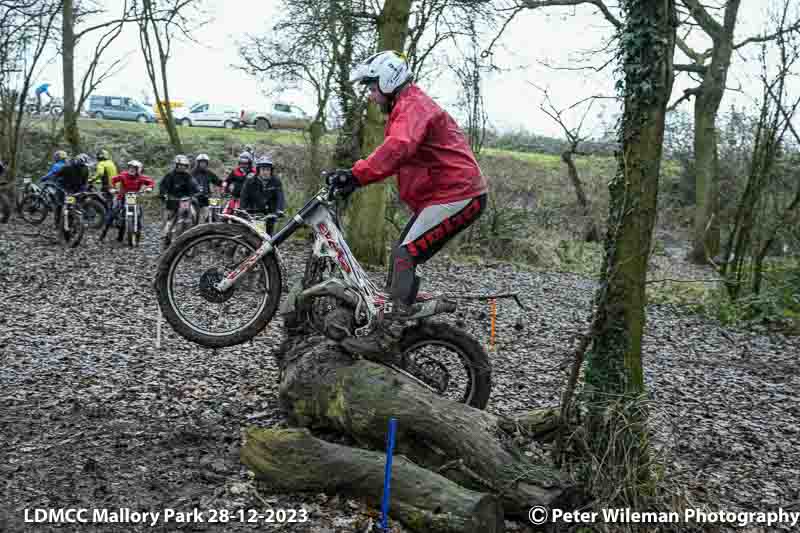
{"type": "Point", "coordinates": [183, 218]}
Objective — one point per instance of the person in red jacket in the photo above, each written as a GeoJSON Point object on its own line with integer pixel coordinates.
{"type": "Point", "coordinates": [235, 181]}
{"type": "Point", "coordinates": [131, 180]}
{"type": "Point", "coordinates": [437, 174]}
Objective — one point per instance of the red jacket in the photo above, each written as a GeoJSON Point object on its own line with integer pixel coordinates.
{"type": "Point", "coordinates": [427, 151]}
{"type": "Point", "coordinates": [131, 183]}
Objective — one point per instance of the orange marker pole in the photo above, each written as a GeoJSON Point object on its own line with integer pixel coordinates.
{"type": "Point", "coordinates": [493, 313]}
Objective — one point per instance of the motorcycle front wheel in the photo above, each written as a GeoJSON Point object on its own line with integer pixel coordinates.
{"type": "Point", "coordinates": [194, 308]}
{"type": "Point", "coordinates": [72, 235]}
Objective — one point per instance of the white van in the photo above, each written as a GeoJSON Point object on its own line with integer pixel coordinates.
{"type": "Point", "coordinates": [207, 114]}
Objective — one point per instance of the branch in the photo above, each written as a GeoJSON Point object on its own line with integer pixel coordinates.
{"type": "Point", "coordinates": [599, 4]}
{"type": "Point", "coordinates": [768, 37]}
{"type": "Point", "coordinates": [699, 69]}
{"type": "Point", "coordinates": [704, 19]}
{"type": "Point", "coordinates": [687, 93]}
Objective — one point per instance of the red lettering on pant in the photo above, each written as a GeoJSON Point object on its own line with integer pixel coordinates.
{"type": "Point", "coordinates": [401, 265]}
{"type": "Point", "coordinates": [422, 244]}
{"type": "Point", "coordinates": [412, 249]}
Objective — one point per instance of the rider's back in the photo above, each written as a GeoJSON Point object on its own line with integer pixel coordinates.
{"type": "Point", "coordinates": [73, 176]}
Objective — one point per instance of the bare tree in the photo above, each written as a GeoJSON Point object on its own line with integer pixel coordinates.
{"type": "Point", "coordinates": [753, 233]}
{"type": "Point", "coordinates": [161, 23]}
{"type": "Point", "coordinates": [574, 140]}
{"type": "Point", "coordinates": [469, 69]}
{"type": "Point", "coordinates": [72, 32]}
{"type": "Point", "coordinates": [712, 67]}
{"type": "Point", "coordinates": [27, 27]}
{"type": "Point", "coordinates": [292, 55]}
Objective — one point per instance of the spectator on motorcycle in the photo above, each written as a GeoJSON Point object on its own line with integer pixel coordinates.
{"type": "Point", "coordinates": [437, 175]}
{"type": "Point", "coordinates": [176, 184]}
{"type": "Point", "coordinates": [205, 178]}
{"type": "Point", "coordinates": [262, 193]}
{"type": "Point", "coordinates": [131, 180]}
{"type": "Point", "coordinates": [59, 160]}
{"type": "Point", "coordinates": [73, 177]}
{"type": "Point", "coordinates": [40, 90]}
{"type": "Point", "coordinates": [235, 181]}
{"type": "Point", "coordinates": [106, 169]}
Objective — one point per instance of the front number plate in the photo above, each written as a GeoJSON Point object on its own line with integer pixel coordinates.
{"type": "Point", "coordinates": [70, 199]}
{"type": "Point", "coordinates": [214, 201]}
{"type": "Point", "coordinates": [130, 199]}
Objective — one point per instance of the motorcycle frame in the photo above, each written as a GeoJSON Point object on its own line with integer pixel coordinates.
{"type": "Point", "coordinates": [328, 242]}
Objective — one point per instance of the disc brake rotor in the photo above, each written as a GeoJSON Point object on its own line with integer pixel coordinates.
{"type": "Point", "coordinates": [208, 291]}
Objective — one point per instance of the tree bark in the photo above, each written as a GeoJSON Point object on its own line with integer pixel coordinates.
{"type": "Point", "coordinates": [294, 460]}
{"type": "Point", "coordinates": [367, 230]}
{"type": "Point", "coordinates": [71, 131]}
{"type": "Point", "coordinates": [325, 388]}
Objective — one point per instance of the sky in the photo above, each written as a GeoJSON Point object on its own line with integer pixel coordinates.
{"type": "Point", "coordinates": [206, 71]}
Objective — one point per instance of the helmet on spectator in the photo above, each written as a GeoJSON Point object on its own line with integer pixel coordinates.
{"type": "Point", "coordinates": [82, 159]}
{"type": "Point", "coordinates": [264, 161]}
{"type": "Point", "coordinates": [181, 161]}
{"type": "Point", "coordinates": [103, 155]}
{"type": "Point", "coordinates": [133, 163]}
{"type": "Point", "coordinates": [60, 155]}
{"type": "Point", "coordinates": [201, 157]}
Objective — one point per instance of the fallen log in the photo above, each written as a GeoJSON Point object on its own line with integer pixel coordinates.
{"type": "Point", "coordinates": [324, 387]}
{"type": "Point", "coordinates": [294, 460]}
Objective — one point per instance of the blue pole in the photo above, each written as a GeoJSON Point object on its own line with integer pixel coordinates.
{"type": "Point", "coordinates": [388, 474]}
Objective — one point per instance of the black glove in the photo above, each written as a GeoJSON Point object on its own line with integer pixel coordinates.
{"type": "Point", "coordinates": [342, 181]}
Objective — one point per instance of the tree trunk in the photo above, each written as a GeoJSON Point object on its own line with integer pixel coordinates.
{"type": "Point", "coordinates": [312, 182]}
{"type": "Point", "coordinates": [614, 374]}
{"type": "Point", "coordinates": [706, 243]}
{"type": "Point", "coordinates": [323, 387]}
{"type": "Point", "coordinates": [293, 460]}
{"type": "Point", "coordinates": [172, 129]}
{"type": "Point", "coordinates": [590, 233]}
{"type": "Point", "coordinates": [71, 131]}
{"type": "Point", "coordinates": [367, 229]}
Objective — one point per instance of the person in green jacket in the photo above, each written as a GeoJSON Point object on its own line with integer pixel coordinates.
{"type": "Point", "coordinates": [106, 169]}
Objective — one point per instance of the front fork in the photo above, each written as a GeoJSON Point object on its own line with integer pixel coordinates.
{"type": "Point", "coordinates": [231, 279]}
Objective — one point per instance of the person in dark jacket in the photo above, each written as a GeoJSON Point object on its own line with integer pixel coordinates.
{"type": "Point", "coordinates": [205, 178]}
{"type": "Point", "coordinates": [73, 178]}
{"type": "Point", "coordinates": [175, 185]}
{"type": "Point", "coordinates": [262, 193]}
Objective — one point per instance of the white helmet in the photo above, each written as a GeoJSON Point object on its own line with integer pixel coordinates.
{"type": "Point", "coordinates": [182, 160]}
{"type": "Point", "coordinates": [388, 68]}
{"type": "Point", "coordinates": [137, 164]}
{"type": "Point", "coordinates": [245, 157]}
{"type": "Point", "coordinates": [201, 157]}
{"type": "Point", "coordinates": [264, 161]}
